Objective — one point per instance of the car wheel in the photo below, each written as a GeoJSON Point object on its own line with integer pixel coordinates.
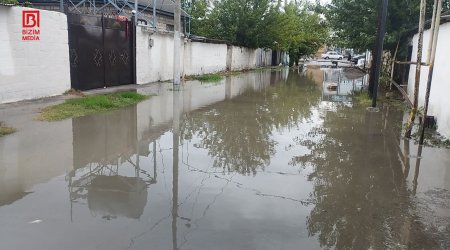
{"type": "Point", "coordinates": [327, 58]}
{"type": "Point", "coordinates": [340, 58]}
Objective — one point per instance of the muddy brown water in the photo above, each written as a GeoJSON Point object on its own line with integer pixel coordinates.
{"type": "Point", "coordinates": [269, 159]}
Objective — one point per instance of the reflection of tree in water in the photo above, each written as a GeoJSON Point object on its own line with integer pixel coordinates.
{"type": "Point", "coordinates": [237, 132]}
{"type": "Point", "coordinates": [360, 196]}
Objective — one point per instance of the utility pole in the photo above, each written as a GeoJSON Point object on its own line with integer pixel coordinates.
{"type": "Point", "coordinates": [435, 36]}
{"type": "Point", "coordinates": [136, 6]}
{"type": "Point", "coordinates": [154, 14]}
{"type": "Point", "coordinates": [412, 115]}
{"type": "Point", "coordinates": [176, 45]}
{"type": "Point", "coordinates": [382, 14]}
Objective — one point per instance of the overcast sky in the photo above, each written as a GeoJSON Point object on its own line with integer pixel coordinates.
{"type": "Point", "coordinates": [325, 1]}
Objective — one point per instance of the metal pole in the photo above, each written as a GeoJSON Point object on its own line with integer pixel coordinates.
{"type": "Point", "coordinates": [433, 20]}
{"type": "Point", "coordinates": [380, 40]}
{"type": "Point", "coordinates": [393, 64]}
{"type": "Point", "coordinates": [133, 29]}
{"type": "Point", "coordinates": [412, 115]}
{"type": "Point", "coordinates": [154, 14]}
{"type": "Point", "coordinates": [136, 12]}
{"type": "Point", "coordinates": [61, 6]}
{"type": "Point", "coordinates": [176, 45]}
{"type": "Point", "coordinates": [437, 23]}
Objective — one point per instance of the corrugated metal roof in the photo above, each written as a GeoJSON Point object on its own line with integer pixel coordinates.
{"type": "Point", "coordinates": [162, 6]}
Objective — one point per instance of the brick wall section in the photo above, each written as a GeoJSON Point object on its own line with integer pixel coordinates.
{"type": "Point", "coordinates": [33, 69]}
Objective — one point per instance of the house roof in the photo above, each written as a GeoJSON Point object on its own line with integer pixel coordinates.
{"type": "Point", "coordinates": [164, 7]}
{"type": "Point", "coordinates": [445, 18]}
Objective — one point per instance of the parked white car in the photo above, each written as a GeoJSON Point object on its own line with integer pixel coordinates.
{"type": "Point", "coordinates": [332, 55]}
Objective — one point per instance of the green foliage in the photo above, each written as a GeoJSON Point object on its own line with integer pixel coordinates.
{"type": "Point", "coordinates": [6, 130]}
{"type": "Point", "coordinates": [354, 21]}
{"type": "Point", "coordinates": [9, 2]}
{"type": "Point", "coordinates": [296, 28]}
{"type": "Point", "coordinates": [89, 105]}
{"type": "Point", "coordinates": [385, 82]}
{"type": "Point", "coordinates": [207, 78]}
{"type": "Point", "coordinates": [362, 97]}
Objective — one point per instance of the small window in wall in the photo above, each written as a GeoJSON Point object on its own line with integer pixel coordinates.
{"type": "Point", "coordinates": [169, 27]}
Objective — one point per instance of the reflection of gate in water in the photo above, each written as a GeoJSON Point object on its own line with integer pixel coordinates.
{"type": "Point", "coordinates": [108, 192]}
{"type": "Point", "coordinates": [107, 170]}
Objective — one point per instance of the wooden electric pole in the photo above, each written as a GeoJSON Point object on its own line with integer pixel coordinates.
{"type": "Point", "coordinates": [382, 15]}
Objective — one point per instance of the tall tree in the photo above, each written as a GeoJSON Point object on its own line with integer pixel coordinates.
{"type": "Point", "coordinates": [353, 21]}
{"type": "Point", "coordinates": [293, 27]}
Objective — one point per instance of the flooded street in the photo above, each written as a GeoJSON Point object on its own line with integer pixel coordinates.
{"type": "Point", "coordinates": [270, 159]}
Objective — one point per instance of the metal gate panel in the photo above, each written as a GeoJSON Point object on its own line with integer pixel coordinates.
{"type": "Point", "coordinates": [117, 47]}
{"type": "Point", "coordinates": [100, 52]}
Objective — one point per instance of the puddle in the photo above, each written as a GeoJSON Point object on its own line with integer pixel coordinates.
{"type": "Point", "coordinates": [261, 160]}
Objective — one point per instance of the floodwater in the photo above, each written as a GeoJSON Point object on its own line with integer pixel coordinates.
{"type": "Point", "coordinates": [261, 160]}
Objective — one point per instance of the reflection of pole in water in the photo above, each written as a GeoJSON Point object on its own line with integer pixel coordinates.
{"type": "Point", "coordinates": [176, 140]}
{"type": "Point", "coordinates": [228, 88]}
{"type": "Point", "coordinates": [406, 157]}
{"type": "Point", "coordinates": [416, 171]}
{"type": "Point", "coordinates": [154, 160]}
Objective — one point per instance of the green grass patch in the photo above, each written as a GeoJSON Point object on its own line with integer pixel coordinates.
{"type": "Point", "coordinates": [6, 130]}
{"type": "Point", "coordinates": [432, 139]}
{"type": "Point", "coordinates": [362, 97]}
{"type": "Point", "coordinates": [9, 2]}
{"type": "Point", "coordinates": [206, 78]}
{"type": "Point", "coordinates": [90, 105]}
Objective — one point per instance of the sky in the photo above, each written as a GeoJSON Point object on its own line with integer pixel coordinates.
{"type": "Point", "coordinates": [325, 1]}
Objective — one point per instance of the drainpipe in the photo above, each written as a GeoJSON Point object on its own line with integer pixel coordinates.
{"type": "Point", "coordinates": [437, 23]}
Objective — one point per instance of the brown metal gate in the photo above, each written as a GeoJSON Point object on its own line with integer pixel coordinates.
{"type": "Point", "coordinates": [101, 51]}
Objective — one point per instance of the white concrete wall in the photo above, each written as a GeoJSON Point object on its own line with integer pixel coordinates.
{"type": "Point", "coordinates": [440, 89]}
{"type": "Point", "coordinates": [242, 58]}
{"type": "Point", "coordinates": [156, 63]}
{"type": "Point", "coordinates": [263, 57]}
{"type": "Point", "coordinates": [204, 58]}
{"type": "Point", "coordinates": [33, 69]}
{"type": "Point", "coordinates": [153, 63]}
